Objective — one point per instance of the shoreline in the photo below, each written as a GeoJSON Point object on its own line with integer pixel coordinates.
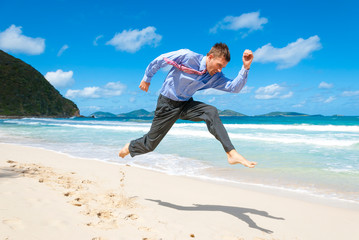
{"type": "Point", "coordinates": [149, 204]}
{"type": "Point", "coordinates": [282, 191]}
{"type": "Point", "coordinates": [305, 195]}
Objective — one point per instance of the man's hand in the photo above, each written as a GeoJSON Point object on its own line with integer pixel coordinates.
{"type": "Point", "coordinates": [247, 59]}
{"type": "Point", "coordinates": [144, 86]}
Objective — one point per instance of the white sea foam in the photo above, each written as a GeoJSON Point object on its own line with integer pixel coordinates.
{"type": "Point", "coordinates": [117, 128]}
{"type": "Point", "coordinates": [343, 136]}
{"type": "Point", "coordinates": [60, 122]}
{"type": "Point", "coordinates": [130, 127]}
{"type": "Point", "coordinates": [272, 127]}
{"type": "Point", "coordinates": [284, 127]}
{"type": "Point", "coordinates": [297, 139]}
{"type": "Point", "coordinates": [271, 138]}
{"type": "Point", "coordinates": [342, 170]}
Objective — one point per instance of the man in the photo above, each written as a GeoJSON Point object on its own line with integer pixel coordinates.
{"type": "Point", "coordinates": [191, 72]}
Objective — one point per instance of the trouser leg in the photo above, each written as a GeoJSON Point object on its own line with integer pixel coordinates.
{"type": "Point", "coordinates": [198, 111]}
{"type": "Point", "coordinates": [166, 114]}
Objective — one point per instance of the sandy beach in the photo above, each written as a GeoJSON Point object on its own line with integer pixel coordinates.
{"type": "Point", "coordinates": [48, 195]}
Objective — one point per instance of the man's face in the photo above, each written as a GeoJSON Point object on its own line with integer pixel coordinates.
{"type": "Point", "coordinates": [215, 64]}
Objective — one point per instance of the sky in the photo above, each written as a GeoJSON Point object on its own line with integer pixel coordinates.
{"type": "Point", "coordinates": [96, 52]}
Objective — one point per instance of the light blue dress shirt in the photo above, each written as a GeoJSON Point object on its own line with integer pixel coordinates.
{"type": "Point", "coordinates": [181, 86]}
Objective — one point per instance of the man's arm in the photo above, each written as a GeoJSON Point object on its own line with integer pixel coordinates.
{"type": "Point", "coordinates": [158, 63]}
{"type": "Point", "coordinates": [235, 86]}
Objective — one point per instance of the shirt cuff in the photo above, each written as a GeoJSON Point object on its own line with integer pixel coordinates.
{"type": "Point", "coordinates": [146, 79]}
{"type": "Point", "coordinates": [244, 71]}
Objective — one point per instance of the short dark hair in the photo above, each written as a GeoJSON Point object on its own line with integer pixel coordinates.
{"type": "Point", "coordinates": [220, 50]}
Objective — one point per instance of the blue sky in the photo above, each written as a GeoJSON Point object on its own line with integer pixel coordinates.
{"type": "Point", "coordinates": [95, 52]}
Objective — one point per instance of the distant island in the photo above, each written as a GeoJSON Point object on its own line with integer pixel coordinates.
{"type": "Point", "coordinates": [142, 113]}
{"type": "Point", "coordinates": [286, 114]}
{"type": "Point", "coordinates": [24, 92]}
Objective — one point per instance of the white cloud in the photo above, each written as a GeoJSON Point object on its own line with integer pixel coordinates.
{"type": "Point", "coordinates": [272, 92]}
{"type": "Point", "coordinates": [246, 89]}
{"type": "Point", "coordinates": [60, 79]}
{"type": "Point", "coordinates": [251, 21]}
{"type": "Point", "coordinates": [97, 38]}
{"type": "Point", "coordinates": [290, 55]}
{"type": "Point", "coordinates": [132, 40]}
{"type": "Point", "coordinates": [111, 89]}
{"type": "Point", "coordinates": [350, 93]}
{"type": "Point", "coordinates": [62, 50]}
{"type": "Point", "coordinates": [325, 85]}
{"type": "Point", "coordinates": [13, 40]}
{"type": "Point", "coordinates": [87, 92]}
{"type": "Point", "coordinates": [288, 95]}
{"type": "Point", "coordinates": [329, 100]}
{"type": "Point", "coordinates": [93, 108]}
{"type": "Point", "coordinates": [299, 105]}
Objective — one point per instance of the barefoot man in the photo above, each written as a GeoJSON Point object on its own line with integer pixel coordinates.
{"type": "Point", "coordinates": [191, 72]}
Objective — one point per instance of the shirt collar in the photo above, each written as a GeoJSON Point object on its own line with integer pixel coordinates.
{"type": "Point", "coordinates": [202, 65]}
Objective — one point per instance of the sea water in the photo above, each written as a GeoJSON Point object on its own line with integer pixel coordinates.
{"type": "Point", "coordinates": [312, 155]}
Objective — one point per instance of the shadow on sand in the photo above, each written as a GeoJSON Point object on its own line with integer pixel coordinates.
{"type": "Point", "coordinates": [6, 172]}
{"type": "Point", "coordinates": [238, 212]}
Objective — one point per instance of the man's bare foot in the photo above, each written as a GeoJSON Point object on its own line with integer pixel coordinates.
{"type": "Point", "coordinates": [124, 151]}
{"type": "Point", "coordinates": [234, 157]}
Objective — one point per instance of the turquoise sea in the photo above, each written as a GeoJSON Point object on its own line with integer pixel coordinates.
{"type": "Point", "coordinates": [316, 156]}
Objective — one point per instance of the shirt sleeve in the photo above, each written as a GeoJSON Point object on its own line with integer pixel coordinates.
{"type": "Point", "coordinates": [159, 62]}
{"type": "Point", "coordinates": [229, 85]}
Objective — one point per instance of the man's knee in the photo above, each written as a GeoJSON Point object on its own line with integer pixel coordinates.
{"type": "Point", "coordinates": [212, 112]}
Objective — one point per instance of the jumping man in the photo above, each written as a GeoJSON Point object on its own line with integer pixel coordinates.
{"type": "Point", "coordinates": [190, 73]}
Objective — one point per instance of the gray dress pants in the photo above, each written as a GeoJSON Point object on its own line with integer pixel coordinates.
{"type": "Point", "coordinates": [168, 112]}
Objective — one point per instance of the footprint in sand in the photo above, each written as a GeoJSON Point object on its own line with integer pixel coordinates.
{"type": "Point", "coordinates": [13, 223]}
{"type": "Point", "coordinates": [131, 216]}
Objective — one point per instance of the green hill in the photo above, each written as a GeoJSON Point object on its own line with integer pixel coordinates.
{"type": "Point", "coordinates": [25, 92]}
{"type": "Point", "coordinates": [230, 113]}
{"type": "Point", "coordinates": [102, 115]}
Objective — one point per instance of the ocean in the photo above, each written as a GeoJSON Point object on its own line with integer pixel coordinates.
{"type": "Point", "coordinates": [315, 155]}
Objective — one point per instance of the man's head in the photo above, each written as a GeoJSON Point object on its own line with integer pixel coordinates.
{"type": "Point", "coordinates": [217, 58]}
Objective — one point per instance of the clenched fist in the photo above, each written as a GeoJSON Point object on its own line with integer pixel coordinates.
{"type": "Point", "coordinates": [247, 59]}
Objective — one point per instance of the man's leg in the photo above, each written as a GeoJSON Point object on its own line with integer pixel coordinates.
{"type": "Point", "coordinates": [198, 111]}
{"type": "Point", "coordinates": [166, 114]}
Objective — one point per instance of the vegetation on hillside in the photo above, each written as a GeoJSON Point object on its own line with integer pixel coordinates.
{"type": "Point", "coordinates": [25, 92]}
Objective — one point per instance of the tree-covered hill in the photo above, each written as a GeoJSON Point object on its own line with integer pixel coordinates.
{"type": "Point", "coordinates": [25, 92]}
